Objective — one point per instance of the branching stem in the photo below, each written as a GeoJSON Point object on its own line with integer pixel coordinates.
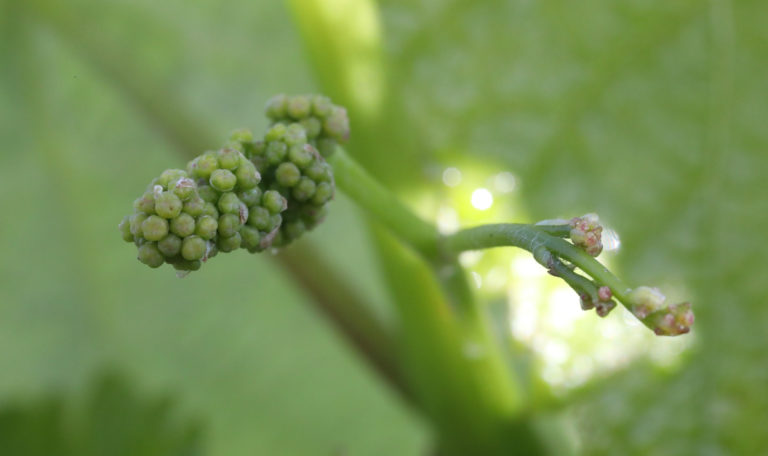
{"type": "Point", "coordinates": [530, 238]}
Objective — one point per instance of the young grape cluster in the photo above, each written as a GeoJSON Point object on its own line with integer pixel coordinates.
{"type": "Point", "coordinates": [251, 194]}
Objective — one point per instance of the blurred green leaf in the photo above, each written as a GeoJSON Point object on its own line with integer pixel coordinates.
{"type": "Point", "coordinates": [112, 420]}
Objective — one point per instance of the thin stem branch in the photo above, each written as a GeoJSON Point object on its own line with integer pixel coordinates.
{"type": "Point", "coordinates": [555, 230]}
{"type": "Point", "coordinates": [530, 238]}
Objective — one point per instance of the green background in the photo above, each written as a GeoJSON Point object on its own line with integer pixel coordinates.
{"type": "Point", "coordinates": [651, 113]}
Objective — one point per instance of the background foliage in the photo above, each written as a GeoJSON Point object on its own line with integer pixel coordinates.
{"type": "Point", "coordinates": [650, 113]}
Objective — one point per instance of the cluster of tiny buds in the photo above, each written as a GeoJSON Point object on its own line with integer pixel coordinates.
{"type": "Point", "coordinates": [648, 305]}
{"type": "Point", "coordinates": [187, 216]}
{"type": "Point", "coordinates": [586, 232]}
{"type": "Point", "coordinates": [252, 194]}
{"type": "Point", "coordinates": [603, 304]}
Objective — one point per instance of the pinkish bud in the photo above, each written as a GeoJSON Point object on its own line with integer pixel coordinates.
{"type": "Point", "coordinates": [604, 308]}
{"type": "Point", "coordinates": [586, 233]}
{"type": "Point", "coordinates": [586, 302]}
{"type": "Point", "coordinates": [672, 321]}
{"type": "Point", "coordinates": [604, 294]}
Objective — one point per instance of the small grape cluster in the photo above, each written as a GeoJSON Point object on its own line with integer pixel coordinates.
{"type": "Point", "coordinates": [186, 217]}
{"type": "Point", "coordinates": [251, 194]}
{"type": "Point", "coordinates": [304, 129]}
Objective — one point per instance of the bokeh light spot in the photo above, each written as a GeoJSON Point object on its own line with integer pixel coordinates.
{"type": "Point", "coordinates": [482, 199]}
{"type": "Point", "coordinates": [451, 177]}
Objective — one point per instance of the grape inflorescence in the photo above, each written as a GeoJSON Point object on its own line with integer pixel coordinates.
{"type": "Point", "coordinates": [251, 194]}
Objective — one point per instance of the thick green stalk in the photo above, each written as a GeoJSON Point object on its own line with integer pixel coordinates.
{"type": "Point", "coordinates": [457, 373]}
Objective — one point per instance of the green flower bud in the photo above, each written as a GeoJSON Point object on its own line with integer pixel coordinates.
{"type": "Point", "coordinates": [276, 107]}
{"type": "Point", "coordinates": [287, 174]}
{"type": "Point", "coordinates": [314, 215]}
{"type": "Point", "coordinates": [125, 229]}
{"type": "Point", "coordinates": [206, 227]}
{"type": "Point", "coordinates": [304, 190]}
{"type": "Point", "coordinates": [229, 224]}
{"type": "Point", "coordinates": [181, 264]}
{"type": "Point", "coordinates": [275, 132]}
{"type": "Point", "coordinates": [184, 188]}
{"type": "Point", "coordinates": [229, 159]}
{"type": "Point", "coordinates": [193, 248]}
{"type": "Point", "coordinates": [274, 222]}
{"type": "Point", "coordinates": [135, 223]}
{"type": "Point", "coordinates": [170, 175]}
{"type": "Point", "coordinates": [150, 255]}
{"type": "Point", "coordinates": [203, 166]}
{"type": "Point", "coordinates": [323, 193]}
{"type": "Point", "coordinates": [229, 203]}
{"type": "Point", "coordinates": [223, 180]}
{"type": "Point", "coordinates": [241, 135]}
{"type": "Point", "coordinates": [247, 175]}
{"type": "Point", "coordinates": [293, 230]}
{"type": "Point", "coordinates": [208, 194]}
{"type": "Point", "coordinates": [326, 146]}
{"type": "Point", "coordinates": [319, 171]}
{"type": "Point", "coordinates": [295, 135]}
{"type": "Point", "coordinates": [298, 106]}
{"type": "Point", "coordinates": [302, 155]}
{"type": "Point", "coordinates": [250, 237]}
{"type": "Point", "coordinates": [336, 125]}
{"type": "Point", "coordinates": [250, 197]}
{"type": "Point", "coordinates": [312, 126]}
{"type": "Point", "coordinates": [257, 148]}
{"type": "Point", "coordinates": [321, 106]}
{"type": "Point", "coordinates": [146, 203]}
{"type": "Point", "coordinates": [211, 211]}
{"type": "Point", "coordinates": [169, 246]}
{"type": "Point", "coordinates": [183, 225]}
{"type": "Point", "coordinates": [259, 218]}
{"type": "Point", "coordinates": [235, 146]}
{"type": "Point", "coordinates": [154, 228]}
{"type": "Point", "coordinates": [194, 206]}
{"type": "Point", "coordinates": [276, 152]}
{"type": "Point", "coordinates": [274, 202]}
{"type": "Point", "coordinates": [168, 205]}
{"type": "Point", "coordinates": [230, 243]}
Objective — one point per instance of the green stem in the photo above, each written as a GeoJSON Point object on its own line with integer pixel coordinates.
{"type": "Point", "coordinates": [555, 230]}
{"type": "Point", "coordinates": [530, 238]}
{"type": "Point", "coordinates": [576, 281]}
{"type": "Point", "coordinates": [379, 202]}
